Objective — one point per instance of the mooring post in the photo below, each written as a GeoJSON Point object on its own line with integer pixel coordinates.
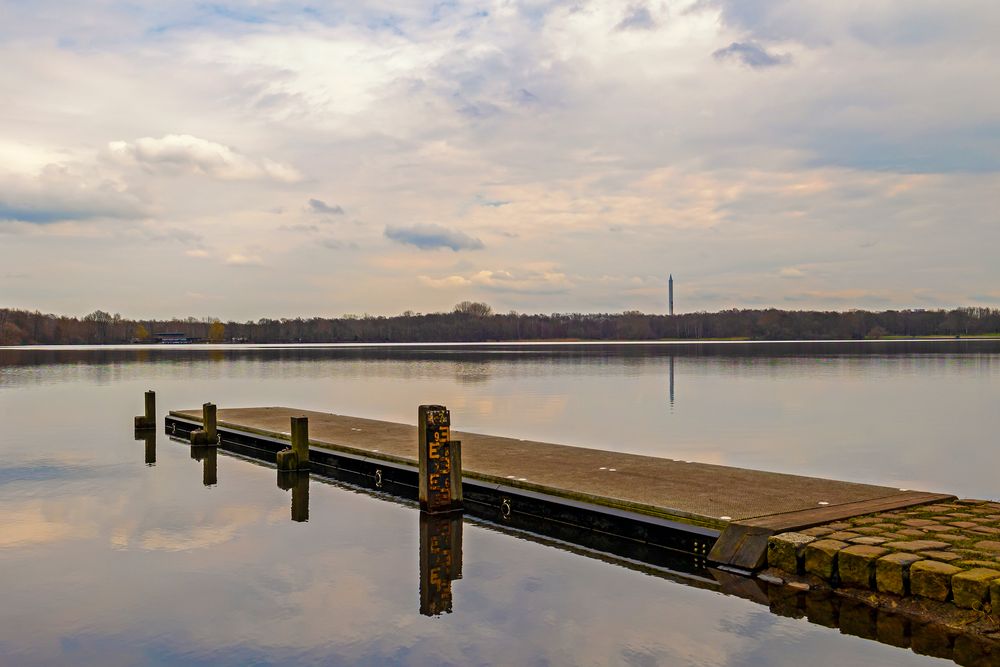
{"type": "Point", "coordinates": [295, 457]}
{"type": "Point", "coordinates": [300, 441]}
{"type": "Point", "coordinates": [437, 474]}
{"type": "Point", "coordinates": [455, 450]}
{"type": "Point", "coordinates": [208, 434]}
{"type": "Point", "coordinates": [148, 420]}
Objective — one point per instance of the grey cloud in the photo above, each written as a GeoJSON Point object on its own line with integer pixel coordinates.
{"type": "Point", "coordinates": [429, 237]}
{"type": "Point", "coordinates": [337, 244]}
{"type": "Point", "coordinates": [637, 18]}
{"type": "Point", "coordinates": [322, 208]}
{"type": "Point", "coordinates": [493, 203]}
{"type": "Point", "coordinates": [822, 23]}
{"type": "Point", "coordinates": [752, 55]}
{"type": "Point", "coordinates": [306, 229]}
{"type": "Point", "coordinates": [63, 192]}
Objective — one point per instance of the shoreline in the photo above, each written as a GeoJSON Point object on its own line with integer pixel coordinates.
{"type": "Point", "coordinates": [512, 343]}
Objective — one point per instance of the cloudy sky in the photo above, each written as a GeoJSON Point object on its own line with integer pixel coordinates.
{"type": "Point", "coordinates": [275, 158]}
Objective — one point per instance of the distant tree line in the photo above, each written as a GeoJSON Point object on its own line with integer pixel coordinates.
{"type": "Point", "coordinates": [474, 321]}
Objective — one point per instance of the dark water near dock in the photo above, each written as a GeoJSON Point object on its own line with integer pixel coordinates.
{"type": "Point", "coordinates": [107, 560]}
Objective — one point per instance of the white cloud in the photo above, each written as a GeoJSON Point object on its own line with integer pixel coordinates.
{"type": "Point", "coordinates": [240, 259]}
{"type": "Point", "coordinates": [185, 153]}
{"type": "Point", "coordinates": [525, 281]}
{"type": "Point", "coordinates": [791, 272]}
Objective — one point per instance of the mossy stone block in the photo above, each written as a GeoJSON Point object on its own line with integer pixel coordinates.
{"type": "Point", "coordinates": [856, 565]}
{"type": "Point", "coordinates": [971, 589]}
{"type": "Point", "coordinates": [787, 551]}
{"type": "Point", "coordinates": [821, 558]}
{"type": "Point", "coordinates": [892, 573]}
{"type": "Point", "coordinates": [932, 579]}
{"type": "Point", "coordinates": [916, 545]}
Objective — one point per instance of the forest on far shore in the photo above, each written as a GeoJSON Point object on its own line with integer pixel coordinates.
{"type": "Point", "coordinates": [476, 322]}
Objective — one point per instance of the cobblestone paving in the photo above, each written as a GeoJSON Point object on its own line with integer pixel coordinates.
{"type": "Point", "coordinates": [945, 551]}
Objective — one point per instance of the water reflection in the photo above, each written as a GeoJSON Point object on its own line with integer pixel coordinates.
{"type": "Point", "coordinates": [298, 483]}
{"type": "Point", "coordinates": [671, 381]}
{"type": "Point", "coordinates": [209, 457]}
{"type": "Point", "coordinates": [440, 561]}
{"type": "Point", "coordinates": [149, 436]}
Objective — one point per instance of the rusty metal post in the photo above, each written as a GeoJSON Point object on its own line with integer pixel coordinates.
{"type": "Point", "coordinates": [148, 420]}
{"type": "Point", "coordinates": [436, 488]}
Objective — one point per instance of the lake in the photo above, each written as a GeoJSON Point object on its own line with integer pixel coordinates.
{"type": "Point", "coordinates": [107, 559]}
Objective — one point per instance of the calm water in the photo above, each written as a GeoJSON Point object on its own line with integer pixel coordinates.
{"type": "Point", "coordinates": [105, 560]}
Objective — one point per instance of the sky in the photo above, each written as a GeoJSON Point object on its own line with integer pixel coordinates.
{"type": "Point", "coordinates": [275, 159]}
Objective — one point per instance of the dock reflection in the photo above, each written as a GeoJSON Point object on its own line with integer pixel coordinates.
{"type": "Point", "coordinates": [969, 644]}
{"type": "Point", "coordinates": [440, 561]}
{"type": "Point", "coordinates": [298, 484]}
{"type": "Point", "coordinates": [209, 458]}
{"type": "Point", "coordinates": [149, 436]}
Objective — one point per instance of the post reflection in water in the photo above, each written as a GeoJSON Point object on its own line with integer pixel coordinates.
{"type": "Point", "coordinates": [149, 436]}
{"type": "Point", "coordinates": [298, 483]}
{"type": "Point", "coordinates": [209, 457]}
{"type": "Point", "coordinates": [440, 560]}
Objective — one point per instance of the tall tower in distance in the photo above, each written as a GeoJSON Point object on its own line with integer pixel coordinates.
{"type": "Point", "coordinates": [670, 284]}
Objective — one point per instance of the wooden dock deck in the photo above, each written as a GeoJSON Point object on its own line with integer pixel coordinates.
{"type": "Point", "coordinates": [744, 506]}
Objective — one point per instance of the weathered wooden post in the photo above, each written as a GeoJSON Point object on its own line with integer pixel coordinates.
{"type": "Point", "coordinates": [438, 474]}
{"type": "Point", "coordinates": [300, 440]}
{"type": "Point", "coordinates": [208, 434]}
{"type": "Point", "coordinates": [147, 420]}
{"type": "Point", "coordinates": [297, 456]}
{"type": "Point", "coordinates": [455, 450]}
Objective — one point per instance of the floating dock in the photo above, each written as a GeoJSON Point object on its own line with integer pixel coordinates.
{"type": "Point", "coordinates": [717, 514]}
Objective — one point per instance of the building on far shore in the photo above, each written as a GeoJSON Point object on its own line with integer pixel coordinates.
{"type": "Point", "coordinates": [173, 338]}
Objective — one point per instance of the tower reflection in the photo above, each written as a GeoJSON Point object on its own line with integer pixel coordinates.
{"type": "Point", "coordinates": [440, 561]}
{"type": "Point", "coordinates": [209, 458]}
{"type": "Point", "coordinates": [298, 483]}
{"type": "Point", "coordinates": [671, 380]}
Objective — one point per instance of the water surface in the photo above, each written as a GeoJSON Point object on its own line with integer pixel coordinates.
{"type": "Point", "coordinates": [107, 560]}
